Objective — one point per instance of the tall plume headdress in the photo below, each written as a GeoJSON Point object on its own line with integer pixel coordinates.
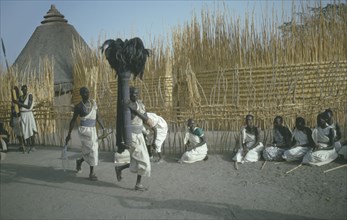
{"type": "Point", "coordinates": [126, 58]}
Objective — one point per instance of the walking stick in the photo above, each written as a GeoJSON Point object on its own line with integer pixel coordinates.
{"type": "Point", "coordinates": [294, 168]}
{"type": "Point", "coordinates": [236, 166]}
{"type": "Point", "coordinates": [263, 165]}
{"type": "Point", "coordinates": [325, 171]}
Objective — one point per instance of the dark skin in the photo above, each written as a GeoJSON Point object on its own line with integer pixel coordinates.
{"type": "Point", "coordinates": [278, 124]}
{"type": "Point", "coordinates": [301, 126]}
{"type": "Point", "coordinates": [323, 124]}
{"type": "Point", "coordinates": [330, 121]}
{"type": "Point", "coordinates": [191, 126]}
{"type": "Point", "coordinates": [82, 109]}
{"type": "Point", "coordinates": [251, 130]}
{"type": "Point", "coordinates": [151, 146]}
{"type": "Point", "coordinates": [20, 102]}
{"type": "Point", "coordinates": [134, 94]}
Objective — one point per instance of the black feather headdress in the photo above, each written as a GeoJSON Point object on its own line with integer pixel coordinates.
{"type": "Point", "coordinates": [129, 55]}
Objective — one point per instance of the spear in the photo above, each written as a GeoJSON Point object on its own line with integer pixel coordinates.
{"type": "Point", "coordinates": [4, 51]}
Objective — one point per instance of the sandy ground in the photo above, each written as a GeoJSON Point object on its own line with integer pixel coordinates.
{"type": "Point", "coordinates": [34, 186]}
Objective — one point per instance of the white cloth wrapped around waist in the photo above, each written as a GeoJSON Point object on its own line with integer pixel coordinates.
{"type": "Point", "coordinates": [90, 146]}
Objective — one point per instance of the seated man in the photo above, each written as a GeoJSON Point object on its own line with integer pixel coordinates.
{"type": "Point", "coordinates": [323, 136]}
{"type": "Point", "coordinates": [195, 143]}
{"type": "Point", "coordinates": [4, 137]}
{"type": "Point", "coordinates": [281, 141]}
{"type": "Point", "coordinates": [302, 141]}
{"type": "Point", "coordinates": [250, 145]}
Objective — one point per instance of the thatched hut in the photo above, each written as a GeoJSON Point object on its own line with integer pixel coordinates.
{"type": "Point", "coordinates": [53, 39]}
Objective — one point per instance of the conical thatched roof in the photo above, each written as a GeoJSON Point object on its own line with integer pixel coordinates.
{"type": "Point", "coordinates": [53, 39]}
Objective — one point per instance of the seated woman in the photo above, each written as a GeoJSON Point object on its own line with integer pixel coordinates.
{"type": "Point", "coordinates": [281, 141]}
{"type": "Point", "coordinates": [250, 145]}
{"type": "Point", "coordinates": [195, 143]}
{"type": "Point", "coordinates": [323, 136]}
{"type": "Point", "coordinates": [302, 141]}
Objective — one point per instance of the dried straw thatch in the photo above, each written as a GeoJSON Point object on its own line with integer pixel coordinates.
{"type": "Point", "coordinates": [217, 71]}
{"type": "Point", "coordinates": [53, 39]}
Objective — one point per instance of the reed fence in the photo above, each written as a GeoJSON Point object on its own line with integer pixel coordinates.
{"type": "Point", "coordinates": [215, 69]}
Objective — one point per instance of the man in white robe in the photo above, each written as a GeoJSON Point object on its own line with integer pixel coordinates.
{"type": "Point", "coordinates": [87, 111]}
{"type": "Point", "coordinates": [27, 120]}
{"type": "Point", "coordinates": [139, 158]}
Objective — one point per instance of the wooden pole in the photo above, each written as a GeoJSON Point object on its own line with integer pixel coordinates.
{"type": "Point", "coordinates": [263, 165]}
{"type": "Point", "coordinates": [344, 165]}
{"type": "Point", "coordinates": [294, 168]}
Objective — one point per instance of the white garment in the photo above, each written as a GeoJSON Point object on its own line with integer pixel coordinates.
{"type": "Point", "coordinates": [27, 120]}
{"type": "Point", "coordinates": [3, 145]}
{"type": "Point", "coordinates": [139, 158]}
{"type": "Point", "coordinates": [320, 157]}
{"type": "Point", "coordinates": [160, 124]}
{"type": "Point", "coordinates": [298, 152]}
{"type": "Point", "coordinates": [89, 138]}
{"type": "Point", "coordinates": [196, 154]}
{"type": "Point", "coordinates": [343, 151]}
{"type": "Point", "coordinates": [252, 155]}
{"type": "Point", "coordinates": [124, 157]}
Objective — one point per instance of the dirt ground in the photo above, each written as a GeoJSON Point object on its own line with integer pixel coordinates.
{"type": "Point", "coordinates": [34, 186]}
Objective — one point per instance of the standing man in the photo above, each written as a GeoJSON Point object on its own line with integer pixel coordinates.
{"type": "Point", "coordinates": [87, 111]}
{"type": "Point", "coordinates": [27, 120]}
{"type": "Point", "coordinates": [139, 158]}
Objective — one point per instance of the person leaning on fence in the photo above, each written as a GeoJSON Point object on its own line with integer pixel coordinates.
{"type": "Point", "coordinates": [157, 134]}
{"type": "Point", "coordinates": [323, 136]}
{"type": "Point", "coordinates": [302, 141]}
{"type": "Point", "coordinates": [139, 158]}
{"type": "Point", "coordinates": [87, 111]}
{"type": "Point", "coordinates": [195, 144]}
{"type": "Point", "coordinates": [27, 120]}
{"type": "Point", "coordinates": [281, 141]}
{"type": "Point", "coordinates": [250, 146]}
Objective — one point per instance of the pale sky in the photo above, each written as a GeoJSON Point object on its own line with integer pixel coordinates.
{"type": "Point", "coordinates": [116, 19]}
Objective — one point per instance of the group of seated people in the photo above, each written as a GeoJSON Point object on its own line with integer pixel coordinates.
{"type": "Point", "coordinates": [314, 147]}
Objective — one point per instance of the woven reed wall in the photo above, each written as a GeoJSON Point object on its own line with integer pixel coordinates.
{"type": "Point", "coordinates": [219, 100]}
